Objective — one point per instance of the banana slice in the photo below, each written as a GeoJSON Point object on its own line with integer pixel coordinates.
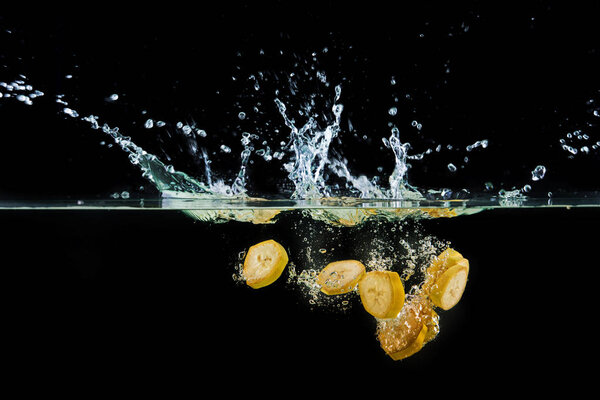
{"type": "Point", "coordinates": [450, 286]}
{"type": "Point", "coordinates": [264, 263]}
{"type": "Point", "coordinates": [382, 293]}
{"type": "Point", "coordinates": [447, 279]}
{"type": "Point", "coordinates": [340, 276]}
{"type": "Point", "coordinates": [405, 335]}
{"type": "Point", "coordinates": [413, 347]}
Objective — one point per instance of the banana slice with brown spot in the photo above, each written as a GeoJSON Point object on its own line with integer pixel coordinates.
{"type": "Point", "coordinates": [382, 293]}
{"type": "Point", "coordinates": [264, 263]}
{"type": "Point", "coordinates": [340, 276]}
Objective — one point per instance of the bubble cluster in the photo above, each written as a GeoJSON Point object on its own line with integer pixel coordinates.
{"type": "Point", "coordinates": [19, 90]}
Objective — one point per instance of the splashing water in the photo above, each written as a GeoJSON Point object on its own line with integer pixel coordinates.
{"type": "Point", "coordinates": [307, 156]}
{"type": "Point", "coordinates": [310, 160]}
{"type": "Point", "coordinates": [310, 147]}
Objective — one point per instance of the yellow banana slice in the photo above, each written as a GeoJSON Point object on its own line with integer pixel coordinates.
{"type": "Point", "coordinates": [382, 293]}
{"type": "Point", "coordinates": [340, 276]}
{"type": "Point", "coordinates": [450, 286]}
{"type": "Point", "coordinates": [412, 348]}
{"type": "Point", "coordinates": [264, 263]}
{"type": "Point", "coordinates": [446, 279]}
{"type": "Point", "coordinates": [405, 335]}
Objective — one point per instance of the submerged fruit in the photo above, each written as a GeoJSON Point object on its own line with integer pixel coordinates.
{"type": "Point", "coordinates": [382, 293]}
{"type": "Point", "coordinates": [264, 263]}
{"type": "Point", "coordinates": [405, 335]}
{"type": "Point", "coordinates": [340, 276]}
{"type": "Point", "coordinates": [446, 279]}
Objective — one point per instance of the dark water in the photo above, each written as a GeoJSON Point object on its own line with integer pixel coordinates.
{"type": "Point", "coordinates": [106, 294]}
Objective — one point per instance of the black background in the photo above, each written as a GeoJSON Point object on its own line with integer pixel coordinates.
{"type": "Point", "coordinates": [146, 297]}
{"type": "Point", "coordinates": [521, 75]}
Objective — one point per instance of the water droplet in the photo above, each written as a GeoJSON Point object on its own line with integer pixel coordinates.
{"type": "Point", "coordinates": [451, 167]}
{"type": "Point", "coordinates": [24, 99]}
{"type": "Point", "coordinates": [538, 173]}
{"type": "Point", "coordinates": [393, 111]}
{"type": "Point", "coordinates": [242, 115]}
{"type": "Point", "coordinates": [113, 97]}
{"type": "Point", "coordinates": [149, 124]}
{"type": "Point", "coordinates": [225, 149]}
{"type": "Point", "coordinates": [124, 195]}
{"type": "Point", "coordinates": [70, 112]}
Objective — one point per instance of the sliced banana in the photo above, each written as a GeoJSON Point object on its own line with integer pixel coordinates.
{"type": "Point", "coordinates": [382, 293]}
{"type": "Point", "coordinates": [264, 263]}
{"type": "Point", "coordinates": [446, 279]}
{"type": "Point", "coordinates": [340, 276]}
{"type": "Point", "coordinates": [450, 286]}
{"type": "Point", "coordinates": [405, 335]}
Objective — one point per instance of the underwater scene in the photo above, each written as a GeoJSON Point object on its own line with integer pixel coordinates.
{"type": "Point", "coordinates": [307, 192]}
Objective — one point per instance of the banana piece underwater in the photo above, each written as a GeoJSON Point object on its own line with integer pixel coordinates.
{"type": "Point", "coordinates": [446, 279]}
{"type": "Point", "coordinates": [406, 334]}
{"type": "Point", "coordinates": [340, 276]}
{"type": "Point", "coordinates": [382, 293]}
{"type": "Point", "coordinates": [405, 324]}
{"type": "Point", "coordinates": [264, 263]}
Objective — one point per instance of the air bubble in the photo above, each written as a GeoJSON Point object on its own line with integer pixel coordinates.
{"type": "Point", "coordinates": [538, 173]}
{"type": "Point", "coordinates": [417, 125]}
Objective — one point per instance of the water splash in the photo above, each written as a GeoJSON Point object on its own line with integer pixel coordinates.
{"type": "Point", "coordinates": [397, 178]}
{"type": "Point", "coordinates": [165, 177]}
{"type": "Point", "coordinates": [310, 146]}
